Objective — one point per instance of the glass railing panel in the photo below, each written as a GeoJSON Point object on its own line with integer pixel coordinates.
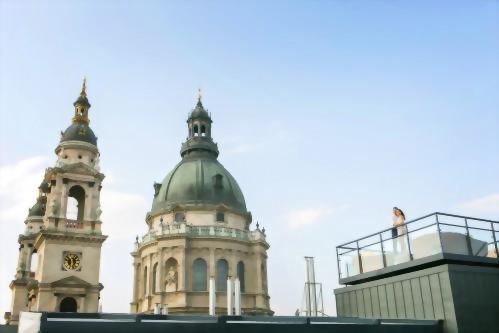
{"type": "Point", "coordinates": [387, 245]}
{"type": "Point", "coordinates": [458, 221]}
{"type": "Point", "coordinates": [369, 240]}
{"type": "Point", "coordinates": [478, 224]}
{"type": "Point", "coordinates": [348, 263]}
{"type": "Point", "coordinates": [427, 221]}
{"type": "Point", "coordinates": [481, 242]}
{"type": "Point", "coordinates": [371, 257]}
{"type": "Point", "coordinates": [425, 242]}
{"type": "Point", "coordinates": [396, 250]}
{"type": "Point", "coordinates": [453, 239]}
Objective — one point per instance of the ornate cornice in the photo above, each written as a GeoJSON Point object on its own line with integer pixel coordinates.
{"type": "Point", "coordinates": [77, 145]}
{"type": "Point", "coordinates": [69, 236]}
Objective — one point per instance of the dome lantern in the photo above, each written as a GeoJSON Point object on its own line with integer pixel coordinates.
{"type": "Point", "coordinates": [80, 130]}
{"type": "Point", "coordinates": [199, 132]}
{"type": "Point", "coordinates": [81, 106]}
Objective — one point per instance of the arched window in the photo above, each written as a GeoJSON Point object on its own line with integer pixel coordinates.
{"type": "Point", "coordinates": [203, 130]}
{"type": "Point", "coordinates": [218, 181]}
{"type": "Point", "coordinates": [221, 275]}
{"type": "Point", "coordinates": [77, 193]}
{"type": "Point", "coordinates": [145, 282]}
{"type": "Point", "coordinates": [199, 275]}
{"type": "Point", "coordinates": [179, 217]}
{"type": "Point", "coordinates": [68, 304]}
{"type": "Point", "coordinates": [240, 274]}
{"type": "Point", "coordinates": [220, 217]}
{"type": "Point", "coordinates": [33, 261]}
{"type": "Point", "coordinates": [72, 210]}
{"type": "Point", "coordinates": [154, 277]}
{"type": "Point", "coordinates": [196, 130]}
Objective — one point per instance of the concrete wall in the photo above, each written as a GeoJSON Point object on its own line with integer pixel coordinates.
{"type": "Point", "coordinates": [466, 297]}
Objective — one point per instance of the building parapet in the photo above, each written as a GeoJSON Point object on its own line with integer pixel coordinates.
{"type": "Point", "coordinates": [184, 229]}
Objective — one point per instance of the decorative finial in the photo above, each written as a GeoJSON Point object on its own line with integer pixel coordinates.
{"type": "Point", "coordinates": [84, 87]}
{"type": "Point", "coordinates": [200, 95]}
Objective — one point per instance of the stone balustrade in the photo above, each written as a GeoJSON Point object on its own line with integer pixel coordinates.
{"type": "Point", "coordinates": [202, 231]}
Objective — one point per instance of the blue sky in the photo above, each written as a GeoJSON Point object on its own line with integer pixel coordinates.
{"type": "Point", "coordinates": [327, 113]}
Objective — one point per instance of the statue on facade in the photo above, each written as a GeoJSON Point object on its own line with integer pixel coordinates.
{"type": "Point", "coordinates": [97, 163]}
{"type": "Point", "coordinates": [53, 207]}
{"type": "Point", "coordinates": [98, 213]}
{"type": "Point", "coordinates": [171, 280]}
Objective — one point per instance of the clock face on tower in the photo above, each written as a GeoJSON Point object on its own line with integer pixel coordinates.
{"type": "Point", "coordinates": [71, 261]}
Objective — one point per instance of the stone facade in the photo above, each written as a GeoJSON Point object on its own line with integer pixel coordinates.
{"type": "Point", "coordinates": [66, 277]}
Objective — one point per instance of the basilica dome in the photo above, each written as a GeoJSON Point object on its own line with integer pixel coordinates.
{"type": "Point", "coordinates": [199, 180]}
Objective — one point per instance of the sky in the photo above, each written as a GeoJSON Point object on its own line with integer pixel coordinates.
{"type": "Point", "coordinates": [327, 113]}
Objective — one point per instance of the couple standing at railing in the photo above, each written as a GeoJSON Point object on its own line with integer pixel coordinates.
{"type": "Point", "coordinates": [399, 229]}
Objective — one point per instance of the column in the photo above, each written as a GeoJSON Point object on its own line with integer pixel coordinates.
{"type": "Point", "coordinates": [229, 296]}
{"type": "Point", "coordinates": [161, 266]}
{"type": "Point", "coordinates": [212, 297]}
{"type": "Point", "coordinates": [181, 269]}
{"type": "Point", "coordinates": [20, 260]}
{"type": "Point", "coordinates": [135, 282]}
{"type": "Point", "coordinates": [237, 298]}
{"type": "Point", "coordinates": [150, 276]}
{"type": "Point", "coordinates": [29, 253]}
{"type": "Point", "coordinates": [63, 200]}
{"type": "Point", "coordinates": [211, 263]}
{"type": "Point", "coordinates": [259, 280]}
{"type": "Point", "coordinates": [232, 263]}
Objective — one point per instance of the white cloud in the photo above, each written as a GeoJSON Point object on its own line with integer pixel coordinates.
{"type": "Point", "coordinates": [123, 213]}
{"type": "Point", "coordinates": [306, 216]}
{"type": "Point", "coordinates": [19, 187]}
{"type": "Point", "coordinates": [19, 183]}
{"type": "Point", "coordinates": [488, 204]}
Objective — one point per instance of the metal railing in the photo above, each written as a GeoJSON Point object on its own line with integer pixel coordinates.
{"type": "Point", "coordinates": [428, 235]}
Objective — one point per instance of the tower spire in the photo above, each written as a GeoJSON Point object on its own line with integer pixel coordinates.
{"type": "Point", "coordinates": [82, 105]}
{"type": "Point", "coordinates": [200, 96]}
{"type": "Point", "coordinates": [84, 87]}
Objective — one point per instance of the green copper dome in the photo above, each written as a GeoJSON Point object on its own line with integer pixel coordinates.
{"type": "Point", "coordinates": [199, 180]}
{"type": "Point", "coordinates": [38, 208]}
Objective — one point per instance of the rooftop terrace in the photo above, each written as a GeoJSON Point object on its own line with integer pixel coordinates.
{"type": "Point", "coordinates": [427, 241]}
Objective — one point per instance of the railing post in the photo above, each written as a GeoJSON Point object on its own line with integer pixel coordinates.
{"type": "Point", "coordinates": [408, 241]}
{"type": "Point", "coordinates": [382, 250]}
{"type": "Point", "coordinates": [439, 236]}
{"type": "Point", "coordinates": [338, 263]}
{"type": "Point", "coordinates": [468, 240]}
{"type": "Point", "coordinates": [494, 238]}
{"type": "Point", "coordinates": [360, 260]}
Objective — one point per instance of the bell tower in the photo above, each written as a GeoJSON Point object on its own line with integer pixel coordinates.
{"type": "Point", "coordinates": [63, 229]}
